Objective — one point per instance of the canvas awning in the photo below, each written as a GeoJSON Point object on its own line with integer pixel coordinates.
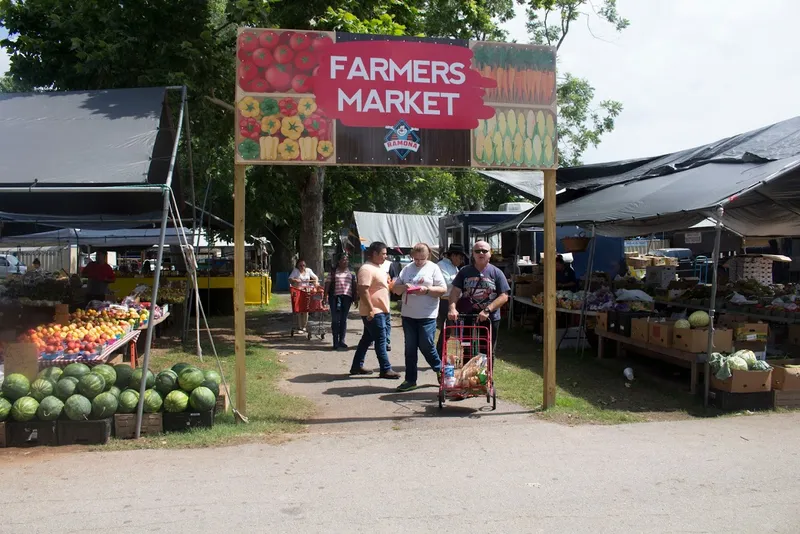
{"type": "Point", "coordinates": [529, 184]}
{"type": "Point", "coordinates": [397, 230]}
{"type": "Point", "coordinates": [134, 238]}
{"type": "Point", "coordinates": [755, 176]}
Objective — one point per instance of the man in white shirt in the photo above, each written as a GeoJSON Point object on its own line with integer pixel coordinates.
{"type": "Point", "coordinates": [449, 265]}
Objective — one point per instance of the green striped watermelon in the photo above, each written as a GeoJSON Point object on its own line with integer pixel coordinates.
{"type": "Point", "coordinates": [41, 388]}
{"type": "Point", "coordinates": [91, 385]}
{"type": "Point", "coordinates": [176, 401]}
{"type": "Point", "coordinates": [152, 401]}
{"type": "Point", "coordinates": [104, 405]}
{"type": "Point", "coordinates": [190, 378]}
{"type": "Point", "coordinates": [53, 374]}
{"type": "Point", "coordinates": [166, 381]}
{"type": "Point", "coordinates": [128, 401]}
{"type": "Point", "coordinates": [124, 372]}
{"type": "Point", "coordinates": [107, 372]}
{"type": "Point", "coordinates": [5, 409]}
{"type": "Point", "coordinates": [66, 387]}
{"type": "Point", "coordinates": [16, 386]}
{"type": "Point", "coordinates": [212, 375]}
{"type": "Point", "coordinates": [213, 386]}
{"type": "Point", "coordinates": [78, 408]}
{"type": "Point", "coordinates": [115, 391]}
{"type": "Point", "coordinates": [50, 409]}
{"type": "Point", "coordinates": [178, 367]}
{"type": "Point", "coordinates": [77, 370]}
{"type": "Point", "coordinates": [202, 399]}
{"type": "Point", "coordinates": [136, 379]}
{"type": "Point", "coordinates": [24, 409]}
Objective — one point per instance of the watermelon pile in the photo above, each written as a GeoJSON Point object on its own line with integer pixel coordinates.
{"type": "Point", "coordinates": [79, 392]}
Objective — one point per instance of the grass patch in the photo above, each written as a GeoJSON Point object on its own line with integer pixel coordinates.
{"type": "Point", "coordinates": [271, 412]}
{"type": "Point", "coordinates": [589, 390]}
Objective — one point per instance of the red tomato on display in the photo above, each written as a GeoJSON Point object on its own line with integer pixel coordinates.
{"type": "Point", "coordinates": [257, 85]}
{"type": "Point", "coordinates": [300, 41]}
{"type": "Point", "coordinates": [305, 61]}
{"type": "Point", "coordinates": [279, 77]}
{"type": "Point", "coordinates": [268, 39]}
{"type": "Point", "coordinates": [262, 57]}
{"type": "Point", "coordinates": [301, 84]}
{"type": "Point", "coordinates": [245, 55]}
{"type": "Point", "coordinates": [247, 71]}
{"type": "Point", "coordinates": [321, 42]}
{"type": "Point", "coordinates": [248, 41]}
{"type": "Point", "coordinates": [283, 54]}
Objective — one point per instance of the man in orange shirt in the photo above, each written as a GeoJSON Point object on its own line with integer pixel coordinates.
{"type": "Point", "coordinates": [373, 306]}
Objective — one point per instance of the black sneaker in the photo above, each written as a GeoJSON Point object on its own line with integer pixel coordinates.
{"type": "Point", "coordinates": [406, 386]}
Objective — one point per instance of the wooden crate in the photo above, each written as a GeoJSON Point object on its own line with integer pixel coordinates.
{"type": "Point", "coordinates": [184, 421]}
{"type": "Point", "coordinates": [223, 402]}
{"type": "Point", "coordinates": [3, 439]}
{"type": "Point", "coordinates": [125, 425]}
{"type": "Point", "coordinates": [786, 399]}
{"type": "Point", "coordinates": [31, 433]}
{"type": "Point", "coordinates": [95, 432]}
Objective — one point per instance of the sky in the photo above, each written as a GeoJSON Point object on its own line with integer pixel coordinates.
{"type": "Point", "coordinates": [687, 72]}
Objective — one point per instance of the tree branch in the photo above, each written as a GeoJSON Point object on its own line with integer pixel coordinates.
{"type": "Point", "coordinates": [546, 33]}
{"type": "Point", "coordinates": [565, 25]}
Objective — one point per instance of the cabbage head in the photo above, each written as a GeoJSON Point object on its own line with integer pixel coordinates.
{"type": "Point", "coordinates": [736, 363]}
{"type": "Point", "coordinates": [748, 356]}
{"type": "Point", "coordinates": [760, 365]}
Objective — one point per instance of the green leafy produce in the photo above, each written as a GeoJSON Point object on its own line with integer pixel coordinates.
{"type": "Point", "coordinates": [682, 324]}
{"type": "Point", "coordinates": [737, 364]}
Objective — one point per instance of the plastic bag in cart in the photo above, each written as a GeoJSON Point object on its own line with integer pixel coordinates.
{"type": "Point", "coordinates": [473, 374]}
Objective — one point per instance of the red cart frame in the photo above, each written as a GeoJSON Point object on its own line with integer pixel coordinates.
{"type": "Point", "coordinates": [309, 299]}
{"type": "Point", "coordinates": [473, 340]}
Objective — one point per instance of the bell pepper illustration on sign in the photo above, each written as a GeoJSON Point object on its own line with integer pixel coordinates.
{"type": "Point", "coordinates": [402, 139]}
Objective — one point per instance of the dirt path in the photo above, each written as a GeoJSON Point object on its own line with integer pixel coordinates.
{"type": "Point", "coordinates": [348, 404]}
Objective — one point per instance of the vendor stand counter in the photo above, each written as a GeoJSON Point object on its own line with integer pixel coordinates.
{"type": "Point", "coordinates": [128, 339]}
{"type": "Point", "coordinates": [257, 289]}
{"type": "Point", "coordinates": [588, 313]}
{"type": "Point", "coordinates": [690, 360]}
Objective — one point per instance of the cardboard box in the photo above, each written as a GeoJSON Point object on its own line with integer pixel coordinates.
{"type": "Point", "coordinates": [125, 425]}
{"type": "Point", "coordinates": [785, 379]}
{"type": "Point", "coordinates": [751, 332]}
{"type": "Point", "coordinates": [22, 358]}
{"type": "Point", "coordinates": [223, 402]}
{"type": "Point", "coordinates": [638, 262]}
{"type": "Point", "coordinates": [661, 333]}
{"type": "Point", "coordinates": [744, 382]}
{"type": "Point", "coordinates": [696, 339]}
{"type": "Point", "coordinates": [640, 329]}
{"type": "Point", "coordinates": [602, 321]}
{"type": "Point", "coordinates": [660, 276]}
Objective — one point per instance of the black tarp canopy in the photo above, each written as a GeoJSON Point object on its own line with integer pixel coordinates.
{"type": "Point", "coordinates": [112, 147]}
{"type": "Point", "coordinates": [755, 176]}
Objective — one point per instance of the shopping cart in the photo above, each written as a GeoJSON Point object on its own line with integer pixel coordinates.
{"type": "Point", "coordinates": [467, 361]}
{"type": "Point", "coordinates": [309, 299]}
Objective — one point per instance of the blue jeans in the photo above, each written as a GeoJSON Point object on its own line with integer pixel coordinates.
{"type": "Point", "coordinates": [374, 330]}
{"type": "Point", "coordinates": [340, 307]}
{"type": "Point", "coordinates": [420, 334]}
{"type": "Point", "coordinates": [389, 330]}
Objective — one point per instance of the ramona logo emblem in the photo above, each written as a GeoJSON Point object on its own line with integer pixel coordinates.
{"type": "Point", "coordinates": [401, 139]}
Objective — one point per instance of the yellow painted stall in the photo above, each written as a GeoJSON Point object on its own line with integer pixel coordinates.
{"type": "Point", "coordinates": [258, 289]}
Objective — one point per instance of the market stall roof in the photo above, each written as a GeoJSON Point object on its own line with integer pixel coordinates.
{"type": "Point", "coordinates": [53, 141]}
{"type": "Point", "coordinates": [755, 176]}
{"type": "Point", "coordinates": [397, 230]}
{"type": "Point", "coordinates": [140, 237]}
{"type": "Point", "coordinates": [529, 184]}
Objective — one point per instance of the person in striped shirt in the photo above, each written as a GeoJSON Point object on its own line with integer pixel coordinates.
{"type": "Point", "coordinates": [340, 292]}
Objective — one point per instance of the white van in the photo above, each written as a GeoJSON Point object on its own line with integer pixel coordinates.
{"type": "Point", "coordinates": [11, 265]}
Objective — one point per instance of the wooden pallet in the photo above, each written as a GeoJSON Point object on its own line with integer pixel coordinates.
{"type": "Point", "coordinates": [786, 399]}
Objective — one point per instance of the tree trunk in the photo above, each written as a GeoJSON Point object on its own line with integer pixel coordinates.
{"type": "Point", "coordinates": [311, 210]}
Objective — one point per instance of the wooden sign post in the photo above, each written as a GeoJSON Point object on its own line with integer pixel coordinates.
{"type": "Point", "coordinates": [549, 353]}
{"type": "Point", "coordinates": [240, 347]}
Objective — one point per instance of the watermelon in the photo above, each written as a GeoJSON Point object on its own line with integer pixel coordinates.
{"type": "Point", "coordinates": [53, 374]}
{"type": "Point", "coordinates": [41, 388]}
{"type": "Point", "coordinates": [212, 375]}
{"type": "Point", "coordinates": [115, 391]}
{"type": "Point", "coordinates": [66, 387]}
{"type": "Point", "coordinates": [136, 379]}
{"type": "Point", "coordinates": [50, 409]}
{"type": "Point", "coordinates": [213, 386]}
{"type": "Point", "coordinates": [5, 409]}
{"type": "Point", "coordinates": [190, 378]}
{"type": "Point", "coordinates": [202, 399]}
{"type": "Point", "coordinates": [77, 370]}
{"type": "Point", "coordinates": [176, 401]}
{"type": "Point", "coordinates": [78, 408]}
{"type": "Point", "coordinates": [166, 381]}
{"type": "Point", "coordinates": [91, 385]}
{"type": "Point", "coordinates": [107, 372]}
{"type": "Point", "coordinates": [178, 367]}
{"type": "Point", "coordinates": [128, 401]}
{"type": "Point", "coordinates": [124, 372]}
{"type": "Point", "coordinates": [16, 386]}
{"type": "Point", "coordinates": [104, 405]}
{"type": "Point", "coordinates": [152, 401]}
{"type": "Point", "coordinates": [24, 409]}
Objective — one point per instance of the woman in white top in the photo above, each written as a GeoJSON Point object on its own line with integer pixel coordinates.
{"type": "Point", "coordinates": [421, 283]}
{"type": "Point", "coordinates": [302, 276]}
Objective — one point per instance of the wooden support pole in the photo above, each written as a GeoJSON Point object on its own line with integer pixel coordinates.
{"type": "Point", "coordinates": [238, 286]}
{"type": "Point", "coordinates": [549, 354]}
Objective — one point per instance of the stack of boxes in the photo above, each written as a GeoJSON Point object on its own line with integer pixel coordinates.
{"type": "Point", "coordinates": [756, 268]}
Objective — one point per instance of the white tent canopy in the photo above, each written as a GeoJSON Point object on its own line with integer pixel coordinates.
{"type": "Point", "coordinates": [140, 237]}
{"type": "Point", "coordinates": [397, 230]}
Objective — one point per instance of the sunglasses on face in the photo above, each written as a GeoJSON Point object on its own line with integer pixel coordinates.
{"type": "Point", "coordinates": [480, 251]}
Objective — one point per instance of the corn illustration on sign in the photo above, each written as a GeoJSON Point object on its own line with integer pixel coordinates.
{"type": "Point", "coordinates": [325, 98]}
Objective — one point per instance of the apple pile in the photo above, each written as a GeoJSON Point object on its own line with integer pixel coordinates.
{"type": "Point", "coordinates": [88, 331]}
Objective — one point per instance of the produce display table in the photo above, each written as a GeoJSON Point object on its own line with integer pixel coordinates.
{"type": "Point", "coordinates": [155, 322]}
{"type": "Point", "coordinates": [588, 313]}
{"type": "Point", "coordinates": [102, 357]}
{"type": "Point", "coordinates": [257, 289]}
{"type": "Point", "coordinates": [690, 360]}
{"type": "Point", "coordinates": [733, 311]}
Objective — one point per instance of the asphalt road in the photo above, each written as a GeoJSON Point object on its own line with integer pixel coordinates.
{"type": "Point", "coordinates": [736, 474]}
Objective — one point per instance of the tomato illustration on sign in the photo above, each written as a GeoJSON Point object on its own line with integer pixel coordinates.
{"type": "Point", "coordinates": [301, 84]}
{"type": "Point", "coordinates": [283, 54]}
{"type": "Point", "coordinates": [262, 57]}
{"type": "Point", "coordinates": [248, 41]}
{"type": "Point", "coordinates": [268, 40]}
{"type": "Point", "coordinates": [305, 61]}
{"type": "Point", "coordinates": [322, 41]}
{"type": "Point", "coordinates": [299, 41]}
{"type": "Point", "coordinates": [279, 77]}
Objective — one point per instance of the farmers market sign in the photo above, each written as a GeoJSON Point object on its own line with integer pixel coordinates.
{"type": "Point", "coordinates": [338, 98]}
